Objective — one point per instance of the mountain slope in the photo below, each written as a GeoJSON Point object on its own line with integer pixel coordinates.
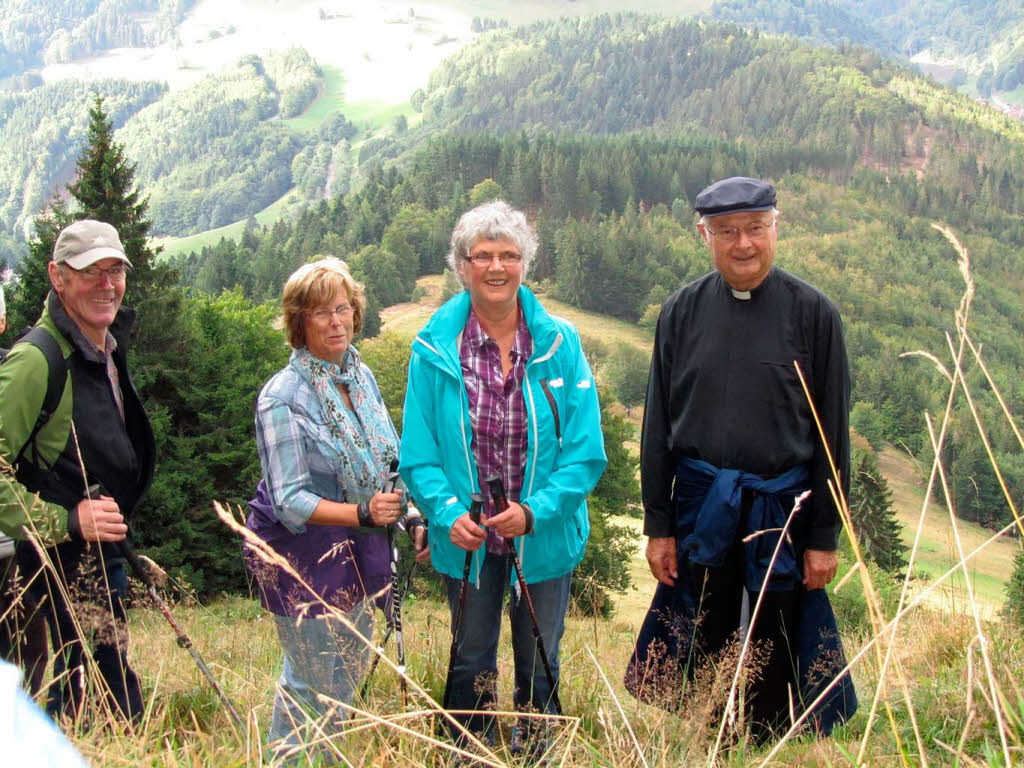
{"type": "Point", "coordinates": [836, 112]}
{"type": "Point", "coordinates": [33, 32]}
{"type": "Point", "coordinates": [980, 40]}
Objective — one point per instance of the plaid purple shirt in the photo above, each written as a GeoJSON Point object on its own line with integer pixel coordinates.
{"type": "Point", "coordinates": [497, 411]}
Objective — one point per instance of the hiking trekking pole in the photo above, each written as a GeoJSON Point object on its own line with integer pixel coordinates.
{"type": "Point", "coordinates": [475, 507]}
{"type": "Point", "coordinates": [387, 634]}
{"type": "Point", "coordinates": [183, 640]}
{"type": "Point", "coordinates": [497, 490]}
{"type": "Point", "coordinates": [395, 605]}
{"type": "Point", "coordinates": [128, 552]}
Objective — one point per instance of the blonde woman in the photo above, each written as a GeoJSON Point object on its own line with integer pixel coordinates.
{"type": "Point", "coordinates": [325, 442]}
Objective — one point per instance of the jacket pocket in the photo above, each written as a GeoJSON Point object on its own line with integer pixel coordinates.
{"type": "Point", "coordinates": [546, 386]}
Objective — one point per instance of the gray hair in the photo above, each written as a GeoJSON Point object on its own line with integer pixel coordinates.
{"type": "Point", "coordinates": [496, 220]}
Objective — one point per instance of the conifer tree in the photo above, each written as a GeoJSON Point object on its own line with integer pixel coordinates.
{"type": "Point", "coordinates": [105, 190]}
{"type": "Point", "coordinates": [1013, 608]}
{"type": "Point", "coordinates": [873, 517]}
{"type": "Point", "coordinates": [25, 302]}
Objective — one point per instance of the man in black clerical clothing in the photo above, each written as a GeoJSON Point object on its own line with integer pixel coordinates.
{"type": "Point", "coordinates": [728, 443]}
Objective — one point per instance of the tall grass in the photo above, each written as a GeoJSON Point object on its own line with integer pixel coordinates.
{"type": "Point", "coordinates": [937, 687]}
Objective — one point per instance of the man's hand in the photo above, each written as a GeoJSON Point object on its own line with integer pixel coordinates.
{"type": "Point", "coordinates": [819, 567]}
{"type": "Point", "coordinates": [661, 556]}
{"type": "Point", "coordinates": [100, 520]}
{"type": "Point", "coordinates": [466, 534]}
{"type": "Point", "coordinates": [510, 523]}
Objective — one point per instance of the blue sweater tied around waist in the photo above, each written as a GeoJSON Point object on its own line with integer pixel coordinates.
{"type": "Point", "coordinates": [709, 520]}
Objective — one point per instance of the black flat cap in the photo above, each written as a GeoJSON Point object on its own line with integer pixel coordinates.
{"type": "Point", "coordinates": [733, 195]}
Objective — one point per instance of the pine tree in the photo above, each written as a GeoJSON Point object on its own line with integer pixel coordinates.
{"type": "Point", "coordinates": [25, 302]}
{"type": "Point", "coordinates": [873, 517]}
{"type": "Point", "coordinates": [1013, 608]}
{"type": "Point", "coordinates": [105, 190]}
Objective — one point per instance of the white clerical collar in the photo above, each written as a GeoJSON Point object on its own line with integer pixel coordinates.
{"type": "Point", "coordinates": [742, 295]}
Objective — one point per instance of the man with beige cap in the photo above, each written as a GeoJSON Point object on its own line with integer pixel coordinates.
{"type": "Point", "coordinates": [73, 428]}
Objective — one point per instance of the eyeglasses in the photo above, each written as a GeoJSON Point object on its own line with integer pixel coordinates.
{"type": "Point", "coordinates": [94, 274]}
{"type": "Point", "coordinates": [754, 231]}
{"type": "Point", "coordinates": [324, 316]}
{"type": "Point", "coordinates": [507, 258]}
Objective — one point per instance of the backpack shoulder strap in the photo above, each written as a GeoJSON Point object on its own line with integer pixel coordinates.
{"type": "Point", "coordinates": [57, 374]}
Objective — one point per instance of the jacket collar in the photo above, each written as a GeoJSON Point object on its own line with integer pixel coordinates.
{"type": "Point", "coordinates": [120, 329]}
{"type": "Point", "coordinates": [446, 324]}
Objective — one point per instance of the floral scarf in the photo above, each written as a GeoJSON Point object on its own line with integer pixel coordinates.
{"type": "Point", "coordinates": [364, 442]}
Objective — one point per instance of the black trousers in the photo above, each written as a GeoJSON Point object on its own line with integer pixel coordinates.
{"type": "Point", "coordinates": [774, 678]}
{"type": "Point", "coordinates": [23, 639]}
{"type": "Point", "coordinates": [98, 594]}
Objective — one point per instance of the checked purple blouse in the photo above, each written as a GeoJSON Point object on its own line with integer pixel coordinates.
{"type": "Point", "coordinates": [497, 411]}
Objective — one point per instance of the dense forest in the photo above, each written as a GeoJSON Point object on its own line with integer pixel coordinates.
{"type": "Point", "coordinates": [37, 32]}
{"type": "Point", "coordinates": [982, 38]}
{"type": "Point", "coordinates": [207, 155]}
{"type": "Point", "coordinates": [894, 278]}
{"type": "Point", "coordinates": [836, 114]}
{"type": "Point", "coordinates": [219, 151]}
{"type": "Point", "coordinates": [41, 133]}
{"type": "Point", "coordinates": [223, 149]}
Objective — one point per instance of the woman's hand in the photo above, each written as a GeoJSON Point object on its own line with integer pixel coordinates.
{"type": "Point", "coordinates": [466, 534]}
{"type": "Point", "coordinates": [385, 508]}
{"type": "Point", "coordinates": [510, 523]}
{"type": "Point", "coordinates": [419, 542]}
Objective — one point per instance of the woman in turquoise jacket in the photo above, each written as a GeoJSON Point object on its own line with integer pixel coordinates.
{"type": "Point", "coordinates": [497, 386]}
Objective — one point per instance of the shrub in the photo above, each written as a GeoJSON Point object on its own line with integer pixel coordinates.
{"type": "Point", "coordinates": [1013, 608]}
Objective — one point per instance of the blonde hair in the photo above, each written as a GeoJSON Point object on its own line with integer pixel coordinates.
{"type": "Point", "coordinates": [314, 285]}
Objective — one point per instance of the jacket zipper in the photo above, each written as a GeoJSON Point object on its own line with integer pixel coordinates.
{"type": "Point", "coordinates": [554, 409]}
{"type": "Point", "coordinates": [533, 420]}
{"type": "Point", "coordinates": [465, 442]}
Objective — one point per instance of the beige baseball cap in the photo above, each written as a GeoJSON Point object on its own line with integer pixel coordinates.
{"type": "Point", "coordinates": [85, 242]}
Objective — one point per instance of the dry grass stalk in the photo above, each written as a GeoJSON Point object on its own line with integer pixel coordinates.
{"type": "Point", "coordinates": [915, 547]}
{"type": "Point", "coordinates": [875, 612]}
{"type": "Point", "coordinates": [995, 390]}
{"type": "Point", "coordinates": [266, 552]}
{"type": "Point", "coordinates": [88, 675]}
{"type": "Point", "coordinates": [730, 703]}
{"type": "Point", "coordinates": [982, 640]}
{"type": "Point", "coordinates": [846, 577]}
{"type": "Point", "coordinates": [918, 599]}
{"type": "Point", "coordinates": [984, 437]}
{"type": "Point", "coordinates": [618, 706]}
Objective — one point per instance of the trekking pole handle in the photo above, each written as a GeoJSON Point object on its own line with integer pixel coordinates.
{"type": "Point", "coordinates": [497, 489]}
{"type": "Point", "coordinates": [391, 480]}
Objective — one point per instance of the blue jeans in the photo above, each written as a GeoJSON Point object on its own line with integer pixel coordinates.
{"type": "Point", "coordinates": [472, 678]}
{"type": "Point", "coordinates": [321, 656]}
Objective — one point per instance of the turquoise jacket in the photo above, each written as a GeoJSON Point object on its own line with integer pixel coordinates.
{"type": "Point", "coordinates": [565, 447]}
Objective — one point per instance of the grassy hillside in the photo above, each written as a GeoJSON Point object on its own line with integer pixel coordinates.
{"type": "Point", "coordinates": [330, 98]}
{"type": "Point", "coordinates": [185, 723]}
{"type": "Point", "coordinates": [938, 549]}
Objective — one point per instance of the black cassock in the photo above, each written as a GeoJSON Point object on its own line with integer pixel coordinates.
{"type": "Point", "coordinates": [724, 390]}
